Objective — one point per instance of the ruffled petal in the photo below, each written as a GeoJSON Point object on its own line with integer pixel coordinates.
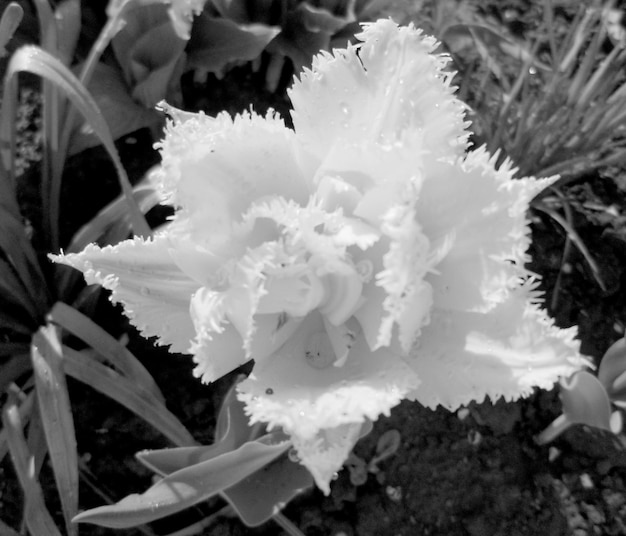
{"type": "Point", "coordinates": [390, 84]}
{"type": "Point", "coordinates": [466, 356]}
{"type": "Point", "coordinates": [318, 404]}
{"type": "Point", "coordinates": [484, 224]}
{"type": "Point", "coordinates": [142, 276]}
{"type": "Point", "coordinates": [214, 168]}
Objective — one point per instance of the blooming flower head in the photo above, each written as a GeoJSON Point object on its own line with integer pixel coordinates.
{"type": "Point", "coordinates": [360, 260]}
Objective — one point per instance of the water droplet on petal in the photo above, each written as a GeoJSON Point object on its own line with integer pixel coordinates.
{"type": "Point", "coordinates": [144, 291]}
{"type": "Point", "coordinates": [345, 109]}
{"type": "Point", "coordinates": [365, 268]}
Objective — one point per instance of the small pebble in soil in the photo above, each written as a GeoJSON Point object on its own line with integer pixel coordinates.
{"type": "Point", "coordinates": [463, 413]}
{"type": "Point", "coordinates": [474, 438]}
{"type": "Point", "coordinates": [394, 493]}
{"type": "Point", "coordinates": [586, 482]}
{"type": "Point", "coordinates": [553, 453]}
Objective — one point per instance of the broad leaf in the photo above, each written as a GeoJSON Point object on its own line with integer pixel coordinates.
{"type": "Point", "coordinates": [186, 487]}
{"type": "Point", "coordinates": [122, 114]}
{"type": "Point", "coordinates": [216, 43]}
{"type": "Point", "coordinates": [149, 52]}
{"type": "Point", "coordinates": [280, 481]}
{"type": "Point", "coordinates": [585, 401]}
{"type": "Point", "coordinates": [612, 371]}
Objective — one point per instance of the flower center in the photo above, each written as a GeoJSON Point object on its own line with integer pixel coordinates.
{"type": "Point", "coordinates": [318, 351]}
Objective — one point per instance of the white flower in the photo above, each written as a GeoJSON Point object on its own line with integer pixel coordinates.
{"type": "Point", "coordinates": [361, 260]}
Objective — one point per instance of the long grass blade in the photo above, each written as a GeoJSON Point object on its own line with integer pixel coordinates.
{"type": "Point", "coordinates": [36, 515]}
{"type": "Point", "coordinates": [36, 61]}
{"type": "Point", "coordinates": [11, 19]}
{"type": "Point", "coordinates": [112, 384]}
{"type": "Point", "coordinates": [112, 223]}
{"type": "Point", "coordinates": [5, 530]}
{"type": "Point", "coordinates": [107, 346]}
{"type": "Point", "coordinates": [56, 418]}
{"type": "Point", "coordinates": [21, 256]}
{"type": "Point", "coordinates": [68, 23]}
{"type": "Point", "coordinates": [24, 409]}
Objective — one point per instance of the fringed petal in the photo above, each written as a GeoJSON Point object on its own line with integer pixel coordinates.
{"type": "Point", "coordinates": [481, 214]}
{"type": "Point", "coordinates": [214, 168]}
{"type": "Point", "coordinates": [466, 356]}
{"type": "Point", "coordinates": [143, 277]}
{"type": "Point", "coordinates": [316, 403]}
{"type": "Point", "coordinates": [390, 84]}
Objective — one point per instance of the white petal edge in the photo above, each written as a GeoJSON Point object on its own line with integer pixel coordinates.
{"type": "Point", "coordinates": [142, 276]}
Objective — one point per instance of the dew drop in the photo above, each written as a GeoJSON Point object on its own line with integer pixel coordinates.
{"type": "Point", "coordinates": [293, 455]}
{"type": "Point", "coordinates": [269, 391]}
{"type": "Point", "coordinates": [365, 268]}
{"type": "Point", "coordinates": [335, 476]}
{"type": "Point", "coordinates": [345, 109]}
{"type": "Point", "coordinates": [144, 291]}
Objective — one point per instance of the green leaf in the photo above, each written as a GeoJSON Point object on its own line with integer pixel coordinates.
{"type": "Point", "coordinates": [612, 371]}
{"type": "Point", "coordinates": [5, 530]}
{"type": "Point", "coordinates": [186, 487]}
{"type": "Point", "coordinates": [150, 53]}
{"type": "Point", "coordinates": [11, 18]}
{"type": "Point", "coordinates": [280, 481]}
{"type": "Point", "coordinates": [112, 224]}
{"type": "Point", "coordinates": [106, 345]}
{"type": "Point", "coordinates": [37, 518]}
{"type": "Point", "coordinates": [215, 42]}
{"type": "Point", "coordinates": [24, 412]}
{"type": "Point", "coordinates": [23, 260]}
{"type": "Point", "coordinates": [122, 114]}
{"type": "Point", "coordinates": [585, 401]}
{"type": "Point", "coordinates": [17, 303]}
{"type": "Point", "coordinates": [232, 431]}
{"type": "Point", "coordinates": [132, 396]}
{"type": "Point", "coordinates": [17, 364]}
{"type": "Point", "coordinates": [68, 23]}
{"type": "Point", "coordinates": [36, 61]}
{"type": "Point", "coordinates": [56, 417]}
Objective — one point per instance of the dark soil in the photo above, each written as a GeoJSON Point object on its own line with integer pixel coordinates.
{"type": "Point", "coordinates": [476, 472]}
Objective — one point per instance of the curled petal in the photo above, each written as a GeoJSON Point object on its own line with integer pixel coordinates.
{"type": "Point", "coordinates": [465, 356]}
{"type": "Point", "coordinates": [390, 84]}
{"type": "Point", "coordinates": [142, 276]}
{"type": "Point", "coordinates": [316, 403]}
